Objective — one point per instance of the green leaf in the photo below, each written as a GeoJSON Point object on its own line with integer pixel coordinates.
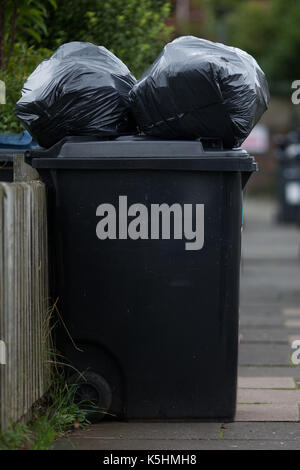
{"type": "Point", "coordinates": [32, 32]}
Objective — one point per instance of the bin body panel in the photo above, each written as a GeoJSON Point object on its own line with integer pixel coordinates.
{"type": "Point", "coordinates": [164, 317]}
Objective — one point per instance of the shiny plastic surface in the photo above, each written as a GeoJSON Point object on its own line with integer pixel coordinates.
{"type": "Point", "coordinates": [199, 88]}
{"type": "Point", "coordinates": [81, 90]}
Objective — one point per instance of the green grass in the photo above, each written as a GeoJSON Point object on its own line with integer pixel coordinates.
{"type": "Point", "coordinates": [15, 437]}
{"type": "Point", "coordinates": [291, 362]}
{"type": "Point", "coordinates": [54, 416]}
{"type": "Point", "coordinates": [222, 431]}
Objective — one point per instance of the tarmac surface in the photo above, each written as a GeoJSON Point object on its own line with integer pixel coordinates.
{"type": "Point", "coordinates": [269, 383]}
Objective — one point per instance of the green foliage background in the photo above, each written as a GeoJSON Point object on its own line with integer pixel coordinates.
{"type": "Point", "coordinates": [267, 29]}
{"type": "Point", "coordinates": [270, 31]}
{"type": "Point", "coordinates": [134, 30]}
{"type": "Point", "coordinates": [24, 61]}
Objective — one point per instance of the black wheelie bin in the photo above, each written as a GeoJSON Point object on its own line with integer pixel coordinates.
{"type": "Point", "coordinates": [288, 179]}
{"type": "Point", "coordinates": [145, 250]}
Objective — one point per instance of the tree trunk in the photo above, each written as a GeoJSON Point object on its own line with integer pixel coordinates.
{"type": "Point", "coordinates": [2, 18]}
{"type": "Point", "coordinates": [12, 39]}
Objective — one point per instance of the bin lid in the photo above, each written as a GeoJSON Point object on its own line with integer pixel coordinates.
{"type": "Point", "coordinates": [11, 144]}
{"type": "Point", "coordinates": [137, 152]}
{"type": "Point", "coordinates": [16, 141]}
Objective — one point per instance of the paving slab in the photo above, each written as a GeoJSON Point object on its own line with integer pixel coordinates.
{"type": "Point", "coordinates": [260, 320]}
{"type": "Point", "coordinates": [267, 412]}
{"type": "Point", "coordinates": [292, 323]}
{"type": "Point", "coordinates": [261, 309]}
{"type": "Point", "coordinates": [287, 296]}
{"type": "Point", "coordinates": [282, 295]}
{"type": "Point", "coordinates": [292, 331]}
{"type": "Point", "coordinates": [294, 312]}
{"type": "Point", "coordinates": [270, 252]}
{"type": "Point", "coordinates": [264, 354]}
{"type": "Point", "coordinates": [274, 278]}
{"type": "Point", "coordinates": [263, 335]}
{"type": "Point", "coordinates": [267, 382]}
{"type": "Point", "coordinates": [285, 397]}
{"type": "Point", "coordinates": [255, 295]}
{"type": "Point", "coordinates": [159, 430]}
{"type": "Point", "coordinates": [221, 444]}
{"type": "Point", "coordinates": [293, 338]}
{"type": "Point", "coordinates": [263, 431]}
{"type": "Point", "coordinates": [252, 371]}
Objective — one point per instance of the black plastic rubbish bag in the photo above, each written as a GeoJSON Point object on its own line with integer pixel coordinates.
{"type": "Point", "coordinates": [81, 90]}
{"type": "Point", "coordinates": [198, 88]}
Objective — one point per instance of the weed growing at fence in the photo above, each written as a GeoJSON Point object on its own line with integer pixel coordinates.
{"type": "Point", "coordinates": [56, 414]}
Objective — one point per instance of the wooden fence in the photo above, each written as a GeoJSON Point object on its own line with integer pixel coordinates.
{"type": "Point", "coordinates": [23, 296]}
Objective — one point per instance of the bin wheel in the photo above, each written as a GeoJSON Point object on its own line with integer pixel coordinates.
{"type": "Point", "coordinates": [92, 393]}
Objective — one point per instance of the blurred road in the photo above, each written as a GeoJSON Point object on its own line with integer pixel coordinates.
{"type": "Point", "coordinates": [269, 384]}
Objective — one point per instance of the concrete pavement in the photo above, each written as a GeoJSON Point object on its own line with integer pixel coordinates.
{"type": "Point", "coordinates": [269, 395]}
